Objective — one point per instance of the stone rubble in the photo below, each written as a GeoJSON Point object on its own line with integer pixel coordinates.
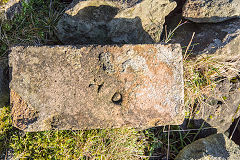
{"type": "Point", "coordinates": [108, 22]}
{"type": "Point", "coordinates": [214, 147]}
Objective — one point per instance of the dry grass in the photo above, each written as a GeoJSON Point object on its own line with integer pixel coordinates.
{"type": "Point", "coordinates": [201, 76]}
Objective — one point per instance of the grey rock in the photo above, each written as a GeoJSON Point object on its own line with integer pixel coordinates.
{"type": "Point", "coordinates": [4, 89]}
{"type": "Point", "coordinates": [86, 87]}
{"type": "Point", "coordinates": [8, 10]}
{"type": "Point", "coordinates": [109, 22]}
{"type": "Point", "coordinates": [221, 42]}
{"type": "Point", "coordinates": [222, 106]}
{"type": "Point", "coordinates": [85, 22]}
{"type": "Point", "coordinates": [208, 37]}
{"type": "Point", "coordinates": [127, 31]}
{"type": "Point", "coordinates": [152, 14]}
{"type": "Point", "coordinates": [211, 11]}
{"type": "Point", "coordinates": [214, 147]}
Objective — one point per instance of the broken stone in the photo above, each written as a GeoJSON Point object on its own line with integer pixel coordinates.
{"type": "Point", "coordinates": [214, 147]}
{"type": "Point", "coordinates": [222, 107]}
{"type": "Point", "coordinates": [152, 15]}
{"type": "Point", "coordinates": [85, 22]}
{"type": "Point", "coordinates": [23, 113]}
{"type": "Point", "coordinates": [86, 87]}
{"type": "Point", "coordinates": [219, 42]}
{"type": "Point", "coordinates": [202, 11]}
{"type": "Point", "coordinates": [208, 38]}
{"type": "Point", "coordinates": [8, 10]}
{"type": "Point", "coordinates": [109, 22]}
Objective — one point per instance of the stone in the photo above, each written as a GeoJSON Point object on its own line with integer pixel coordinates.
{"type": "Point", "coordinates": [111, 22]}
{"type": "Point", "coordinates": [4, 89]}
{"type": "Point", "coordinates": [128, 31]}
{"type": "Point", "coordinates": [8, 10]}
{"type": "Point", "coordinates": [152, 14]}
{"type": "Point", "coordinates": [85, 22]}
{"type": "Point", "coordinates": [211, 11]}
{"type": "Point", "coordinates": [222, 106]}
{"type": "Point", "coordinates": [221, 42]}
{"type": "Point", "coordinates": [214, 147]}
{"type": "Point", "coordinates": [86, 87]}
{"type": "Point", "coordinates": [208, 38]}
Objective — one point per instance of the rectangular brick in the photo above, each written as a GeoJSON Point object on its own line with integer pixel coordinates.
{"type": "Point", "coordinates": [86, 87]}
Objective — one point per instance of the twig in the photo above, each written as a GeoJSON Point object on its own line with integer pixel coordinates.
{"type": "Point", "coordinates": [189, 44]}
{"type": "Point", "coordinates": [6, 154]}
{"type": "Point", "coordinates": [187, 130]}
{"type": "Point", "coordinates": [168, 142]}
{"type": "Point", "coordinates": [235, 128]}
{"type": "Point", "coordinates": [141, 156]}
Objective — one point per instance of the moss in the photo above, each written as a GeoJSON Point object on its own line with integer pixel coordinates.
{"type": "Point", "coordinates": [89, 144]}
{"type": "Point", "coordinates": [121, 143]}
{"type": "Point", "coordinates": [5, 128]}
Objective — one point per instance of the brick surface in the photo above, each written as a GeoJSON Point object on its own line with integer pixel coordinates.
{"type": "Point", "coordinates": [85, 87]}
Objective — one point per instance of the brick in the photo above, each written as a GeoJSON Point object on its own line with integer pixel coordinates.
{"type": "Point", "coordinates": [87, 87]}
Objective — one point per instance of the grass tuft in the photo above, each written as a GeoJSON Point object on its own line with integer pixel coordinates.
{"type": "Point", "coordinates": [35, 25]}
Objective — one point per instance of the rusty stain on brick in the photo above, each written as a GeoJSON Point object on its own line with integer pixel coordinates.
{"type": "Point", "coordinates": [22, 113]}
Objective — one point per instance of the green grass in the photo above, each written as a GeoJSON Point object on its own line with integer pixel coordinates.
{"type": "Point", "coordinates": [5, 128]}
{"type": "Point", "coordinates": [90, 144]}
{"type": "Point", "coordinates": [35, 25]}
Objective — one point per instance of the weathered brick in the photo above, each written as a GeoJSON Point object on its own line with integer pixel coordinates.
{"type": "Point", "coordinates": [85, 87]}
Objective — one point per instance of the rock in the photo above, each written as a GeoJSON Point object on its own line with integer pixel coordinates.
{"type": "Point", "coordinates": [128, 31]}
{"type": "Point", "coordinates": [109, 22]}
{"type": "Point", "coordinates": [208, 37]}
{"type": "Point", "coordinates": [221, 107]}
{"type": "Point", "coordinates": [213, 11]}
{"type": "Point", "coordinates": [179, 8]}
{"type": "Point", "coordinates": [85, 87]}
{"type": "Point", "coordinates": [214, 147]}
{"type": "Point", "coordinates": [8, 10]}
{"type": "Point", "coordinates": [221, 41]}
{"type": "Point", "coordinates": [152, 14]}
{"type": "Point", "coordinates": [85, 22]}
{"type": "Point", "coordinates": [4, 89]}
